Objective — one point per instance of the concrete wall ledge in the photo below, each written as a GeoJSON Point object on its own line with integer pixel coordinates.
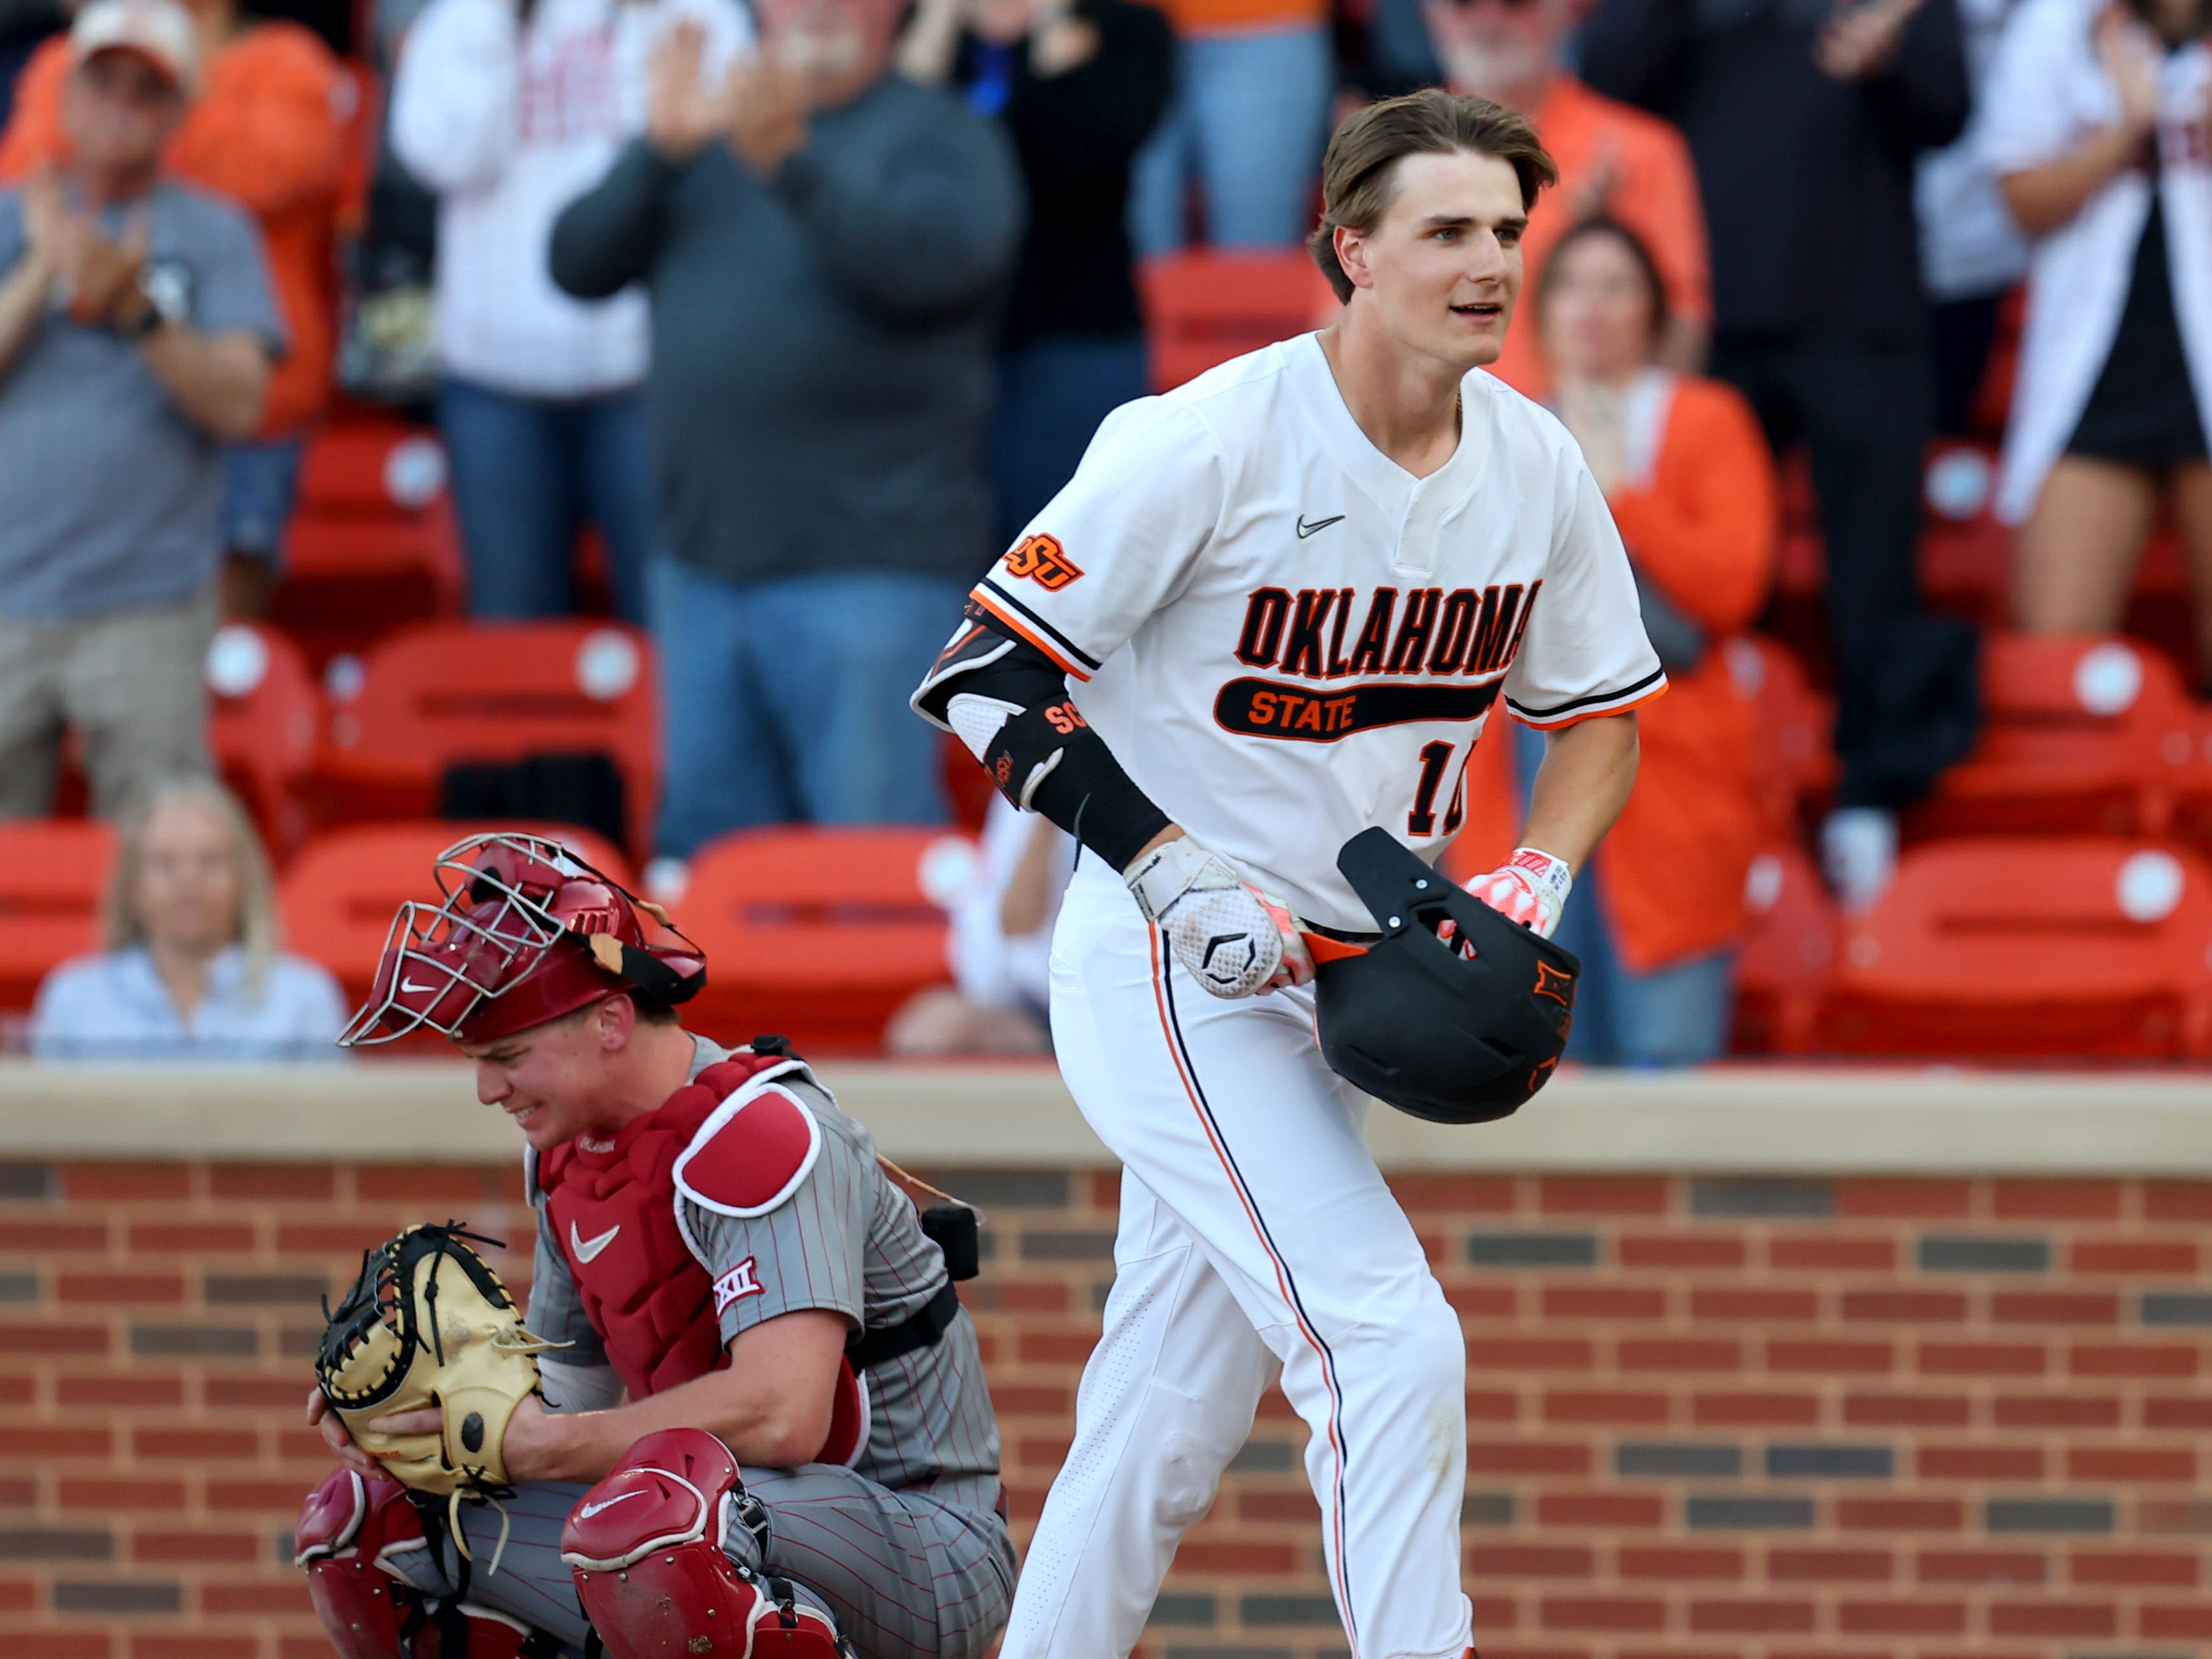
{"type": "Point", "coordinates": [1743, 1119]}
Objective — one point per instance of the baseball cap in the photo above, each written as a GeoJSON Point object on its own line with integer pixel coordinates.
{"type": "Point", "coordinates": [159, 31]}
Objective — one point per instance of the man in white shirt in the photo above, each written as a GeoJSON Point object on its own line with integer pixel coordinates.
{"type": "Point", "coordinates": [1274, 610]}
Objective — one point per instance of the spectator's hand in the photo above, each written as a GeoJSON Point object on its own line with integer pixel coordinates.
{"type": "Point", "coordinates": [48, 232]}
{"type": "Point", "coordinates": [767, 104]}
{"type": "Point", "coordinates": [1595, 415]}
{"type": "Point", "coordinates": [2128, 59]}
{"type": "Point", "coordinates": [1594, 192]}
{"type": "Point", "coordinates": [1859, 39]}
{"type": "Point", "coordinates": [683, 114]}
{"type": "Point", "coordinates": [103, 274]}
{"type": "Point", "coordinates": [1060, 40]}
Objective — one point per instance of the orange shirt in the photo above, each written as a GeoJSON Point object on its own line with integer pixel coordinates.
{"type": "Point", "coordinates": [1231, 16]}
{"type": "Point", "coordinates": [1633, 166]}
{"type": "Point", "coordinates": [270, 129]}
{"type": "Point", "coordinates": [1703, 529]}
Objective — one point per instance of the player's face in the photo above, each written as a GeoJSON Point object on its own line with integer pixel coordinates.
{"type": "Point", "coordinates": [1442, 268]}
{"type": "Point", "coordinates": [543, 1078]}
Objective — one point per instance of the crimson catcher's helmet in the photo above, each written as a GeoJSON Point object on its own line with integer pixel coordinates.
{"type": "Point", "coordinates": [524, 932]}
{"type": "Point", "coordinates": [1437, 1032]}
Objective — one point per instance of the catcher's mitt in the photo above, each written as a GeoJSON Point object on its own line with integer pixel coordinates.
{"type": "Point", "coordinates": [428, 1324]}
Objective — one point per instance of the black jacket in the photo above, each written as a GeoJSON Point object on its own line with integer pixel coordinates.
{"type": "Point", "coordinates": [1077, 134]}
{"type": "Point", "coordinates": [1807, 181]}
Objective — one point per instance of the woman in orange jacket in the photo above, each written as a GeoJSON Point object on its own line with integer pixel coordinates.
{"type": "Point", "coordinates": [1691, 486]}
{"type": "Point", "coordinates": [269, 128]}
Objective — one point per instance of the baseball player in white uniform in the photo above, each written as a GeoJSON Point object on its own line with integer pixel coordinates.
{"type": "Point", "coordinates": [1272, 609]}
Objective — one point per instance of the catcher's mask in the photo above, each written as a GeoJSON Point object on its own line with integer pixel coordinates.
{"type": "Point", "coordinates": [524, 932]}
{"type": "Point", "coordinates": [1418, 1021]}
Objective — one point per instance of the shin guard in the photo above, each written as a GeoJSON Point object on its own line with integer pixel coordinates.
{"type": "Point", "coordinates": [645, 1546]}
{"type": "Point", "coordinates": [350, 1532]}
{"type": "Point", "coordinates": [350, 1529]}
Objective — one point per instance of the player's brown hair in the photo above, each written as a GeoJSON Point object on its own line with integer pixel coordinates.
{"type": "Point", "coordinates": [1357, 174]}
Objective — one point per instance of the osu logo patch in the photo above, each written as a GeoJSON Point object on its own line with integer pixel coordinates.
{"type": "Point", "coordinates": [1043, 561]}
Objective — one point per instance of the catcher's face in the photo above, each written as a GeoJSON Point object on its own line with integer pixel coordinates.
{"type": "Point", "coordinates": [549, 1079]}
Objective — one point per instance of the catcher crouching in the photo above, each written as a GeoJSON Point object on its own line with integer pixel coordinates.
{"type": "Point", "coordinates": [746, 1416]}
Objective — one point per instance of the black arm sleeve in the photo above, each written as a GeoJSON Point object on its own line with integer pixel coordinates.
{"type": "Point", "coordinates": [1045, 757]}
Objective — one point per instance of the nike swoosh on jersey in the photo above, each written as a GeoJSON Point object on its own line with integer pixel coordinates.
{"type": "Point", "coordinates": [588, 1249]}
{"type": "Point", "coordinates": [1306, 530]}
{"type": "Point", "coordinates": [591, 1509]}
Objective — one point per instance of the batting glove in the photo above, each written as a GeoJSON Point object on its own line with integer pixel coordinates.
{"type": "Point", "coordinates": [1530, 888]}
{"type": "Point", "coordinates": [1235, 940]}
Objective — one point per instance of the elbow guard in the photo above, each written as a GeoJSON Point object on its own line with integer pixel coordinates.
{"type": "Point", "coordinates": [1048, 760]}
{"type": "Point", "coordinates": [1007, 702]}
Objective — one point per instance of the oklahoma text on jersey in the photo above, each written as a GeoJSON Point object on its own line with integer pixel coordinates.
{"type": "Point", "coordinates": [1438, 636]}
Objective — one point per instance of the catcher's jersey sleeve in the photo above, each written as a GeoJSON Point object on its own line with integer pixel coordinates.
{"type": "Point", "coordinates": [1585, 651]}
{"type": "Point", "coordinates": [1117, 542]}
{"type": "Point", "coordinates": [557, 1311]}
{"type": "Point", "coordinates": [806, 1252]}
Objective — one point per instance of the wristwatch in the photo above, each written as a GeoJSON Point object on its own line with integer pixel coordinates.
{"type": "Point", "coordinates": [165, 304]}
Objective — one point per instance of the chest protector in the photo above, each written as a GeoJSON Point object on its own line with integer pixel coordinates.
{"type": "Point", "coordinates": [615, 1210]}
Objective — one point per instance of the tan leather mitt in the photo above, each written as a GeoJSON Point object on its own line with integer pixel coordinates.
{"type": "Point", "coordinates": [428, 1324]}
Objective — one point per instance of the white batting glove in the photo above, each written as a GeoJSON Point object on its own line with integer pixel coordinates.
{"type": "Point", "coordinates": [1530, 888]}
{"type": "Point", "coordinates": [1235, 940]}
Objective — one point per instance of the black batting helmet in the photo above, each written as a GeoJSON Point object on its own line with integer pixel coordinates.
{"type": "Point", "coordinates": [1414, 1021]}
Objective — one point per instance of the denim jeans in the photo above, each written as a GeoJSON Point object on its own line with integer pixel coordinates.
{"type": "Point", "coordinates": [785, 700]}
{"type": "Point", "coordinates": [1673, 1015]}
{"type": "Point", "coordinates": [1249, 118]}
{"type": "Point", "coordinates": [260, 482]}
{"type": "Point", "coordinates": [528, 473]}
{"type": "Point", "coordinates": [1053, 393]}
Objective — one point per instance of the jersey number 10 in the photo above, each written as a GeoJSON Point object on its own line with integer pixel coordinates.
{"type": "Point", "coordinates": [1422, 820]}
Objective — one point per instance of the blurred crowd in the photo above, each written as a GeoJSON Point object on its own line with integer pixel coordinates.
{"type": "Point", "coordinates": [806, 306]}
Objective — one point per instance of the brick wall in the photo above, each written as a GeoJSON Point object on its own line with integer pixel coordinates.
{"type": "Point", "coordinates": [1803, 1419]}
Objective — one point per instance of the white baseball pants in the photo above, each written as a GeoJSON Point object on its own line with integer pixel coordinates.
{"type": "Point", "coordinates": [1257, 1239]}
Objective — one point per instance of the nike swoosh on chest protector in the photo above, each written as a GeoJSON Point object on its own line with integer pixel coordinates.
{"type": "Point", "coordinates": [588, 1249]}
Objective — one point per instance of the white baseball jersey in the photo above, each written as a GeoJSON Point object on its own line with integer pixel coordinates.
{"type": "Point", "coordinates": [1286, 637]}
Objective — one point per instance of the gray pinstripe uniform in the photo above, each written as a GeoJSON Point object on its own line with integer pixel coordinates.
{"type": "Point", "coordinates": [906, 1549]}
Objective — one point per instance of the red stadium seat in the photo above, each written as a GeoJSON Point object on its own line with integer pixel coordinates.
{"type": "Point", "coordinates": [819, 934]}
{"type": "Point", "coordinates": [53, 872]}
{"type": "Point", "coordinates": [1788, 957]}
{"type": "Point", "coordinates": [2075, 948]}
{"type": "Point", "coordinates": [441, 693]}
{"type": "Point", "coordinates": [371, 544]}
{"type": "Point", "coordinates": [339, 895]}
{"type": "Point", "coordinates": [2079, 736]}
{"type": "Point", "coordinates": [265, 719]}
{"type": "Point", "coordinates": [1202, 308]}
{"type": "Point", "coordinates": [1966, 554]}
{"type": "Point", "coordinates": [1795, 757]}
